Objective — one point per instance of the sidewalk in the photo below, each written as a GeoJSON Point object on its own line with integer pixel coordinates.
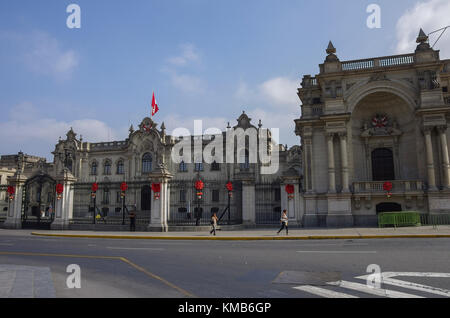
{"type": "Point", "coordinates": [255, 235]}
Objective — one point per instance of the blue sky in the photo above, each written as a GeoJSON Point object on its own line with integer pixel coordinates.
{"type": "Point", "coordinates": [205, 59]}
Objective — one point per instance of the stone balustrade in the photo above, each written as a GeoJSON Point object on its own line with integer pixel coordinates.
{"type": "Point", "coordinates": [397, 186]}
{"type": "Point", "coordinates": [379, 62]}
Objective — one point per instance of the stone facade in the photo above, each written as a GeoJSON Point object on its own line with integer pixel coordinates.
{"type": "Point", "coordinates": [145, 158]}
{"type": "Point", "coordinates": [372, 121]}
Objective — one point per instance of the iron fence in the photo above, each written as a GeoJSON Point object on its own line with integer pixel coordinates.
{"type": "Point", "coordinates": [435, 219]}
{"type": "Point", "coordinates": [186, 209]}
{"type": "Point", "coordinates": [268, 203]}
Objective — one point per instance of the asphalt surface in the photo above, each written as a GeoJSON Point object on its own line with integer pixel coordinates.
{"type": "Point", "coordinates": [225, 269]}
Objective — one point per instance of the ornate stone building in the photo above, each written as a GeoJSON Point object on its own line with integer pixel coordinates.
{"type": "Point", "coordinates": [143, 159]}
{"type": "Point", "coordinates": [372, 121]}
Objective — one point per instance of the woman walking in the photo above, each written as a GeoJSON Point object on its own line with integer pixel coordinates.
{"type": "Point", "coordinates": [214, 220]}
{"type": "Point", "coordinates": [284, 223]}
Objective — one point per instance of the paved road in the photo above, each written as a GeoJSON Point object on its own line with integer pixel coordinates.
{"type": "Point", "coordinates": [221, 269]}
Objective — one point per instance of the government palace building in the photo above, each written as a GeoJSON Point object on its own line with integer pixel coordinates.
{"type": "Point", "coordinates": [373, 137]}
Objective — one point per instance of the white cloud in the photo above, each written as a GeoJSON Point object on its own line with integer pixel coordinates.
{"type": "Point", "coordinates": [187, 83]}
{"type": "Point", "coordinates": [189, 54]}
{"type": "Point", "coordinates": [430, 16]}
{"type": "Point", "coordinates": [281, 90]}
{"type": "Point", "coordinates": [28, 132]}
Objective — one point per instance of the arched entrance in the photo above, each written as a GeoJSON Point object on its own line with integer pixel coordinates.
{"type": "Point", "coordinates": [388, 207]}
{"type": "Point", "coordinates": [146, 198]}
{"type": "Point", "coordinates": [38, 202]}
{"type": "Point", "coordinates": [383, 168]}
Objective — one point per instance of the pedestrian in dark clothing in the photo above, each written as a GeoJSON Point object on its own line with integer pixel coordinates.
{"type": "Point", "coordinates": [132, 221]}
{"type": "Point", "coordinates": [284, 223]}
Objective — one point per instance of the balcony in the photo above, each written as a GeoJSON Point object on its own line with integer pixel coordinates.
{"type": "Point", "coordinates": [378, 62]}
{"type": "Point", "coordinates": [398, 187]}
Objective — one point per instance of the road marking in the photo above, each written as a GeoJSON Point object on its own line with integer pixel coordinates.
{"type": "Point", "coordinates": [323, 292]}
{"type": "Point", "coordinates": [123, 259]}
{"type": "Point", "coordinates": [373, 291]}
{"type": "Point", "coordinates": [338, 252]}
{"type": "Point", "coordinates": [136, 248]}
{"type": "Point", "coordinates": [386, 278]}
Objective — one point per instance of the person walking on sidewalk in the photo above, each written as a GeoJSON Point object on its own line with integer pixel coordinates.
{"type": "Point", "coordinates": [214, 220]}
{"type": "Point", "coordinates": [284, 223]}
{"type": "Point", "coordinates": [132, 221]}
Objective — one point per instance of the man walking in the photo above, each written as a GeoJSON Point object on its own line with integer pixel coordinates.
{"type": "Point", "coordinates": [214, 220]}
{"type": "Point", "coordinates": [284, 223]}
{"type": "Point", "coordinates": [132, 221]}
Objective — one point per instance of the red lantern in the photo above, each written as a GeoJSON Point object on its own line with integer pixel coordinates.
{"type": "Point", "coordinates": [11, 192]}
{"type": "Point", "coordinates": [387, 186]}
{"type": "Point", "coordinates": [59, 188]}
{"type": "Point", "coordinates": [94, 187]}
{"type": "Point", "coordinates": [199, 185]}
{"type": "Point", "coordinates": [124, 186]}
{"type": "Point", "coordinates": [59, 191]}
{"type": "Point", "coordinates": [290, 189]}
{"type": "Point", "coordinates": [156, 188]}
{"type": "Point", "coordinates": [230, 186]}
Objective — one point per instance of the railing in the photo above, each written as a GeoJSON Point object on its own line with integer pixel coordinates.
{"type": "Point", "coordinates": [378, 186]}
{"type": "Point", "coordinates": [447, 100]}
{"type": "Point", "coordinates": [2, 218]}
{"type": "Point", "coordinates": [317, 110]}
{"type": "Point", "coordinates": [399, 219]}
{"type": "Point", "coordinates": [388, 61]}
{"type": "Point", "coordinates": [435, 219]}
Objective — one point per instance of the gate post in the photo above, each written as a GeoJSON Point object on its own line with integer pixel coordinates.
{"type": "Point", "coordinates": [248, 203]}
{"type": "Point", "coordinates": [64, 206]}
{"type": "Point", "coordinates": [292, 205]}
{"type": "Point", "coordinates": [14, 216]}
{"type": "Point", "coordinates": [160, 206]}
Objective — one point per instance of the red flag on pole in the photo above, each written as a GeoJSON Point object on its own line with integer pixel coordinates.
{"type": "Point", "coordinates": [155, 108]}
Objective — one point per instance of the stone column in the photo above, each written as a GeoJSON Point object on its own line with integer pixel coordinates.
{"type": "Point", "coordinates": [14, 216]}
{"type": "Point", "coordinates": [445, 157]}
{"type": "Point", "coordinates": [430, 160]}
{"type": "Point", "coordinates": [160, 207]}
{"type": "Point", "coordinates": [64, 206]}
{"type": "Point", "coordinates": [248, 203]}
{"type": "Point", "coordinates": [331, 167]}
{"type": "Point", "coordinates": [344, 160]}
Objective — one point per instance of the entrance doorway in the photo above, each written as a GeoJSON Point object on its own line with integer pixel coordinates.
{"type": "Point", "coordinates": [388, 207]}
{"type": "Point", "coordinates": [146, 198]}
{"type": "Point", "coordinates": [383, 165]}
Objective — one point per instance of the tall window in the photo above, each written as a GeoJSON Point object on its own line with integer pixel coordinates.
{"type": "Point", "coordinates": [105, 196]}
{"type": "Point", "coordinates": [215, 166]}
{"type": "Point", "coordinates": [94, 169]}
{"type": "Point", "coordinates": [383, 165]}
{"type": "Point", "coordinates": [199, 167]}
{"type": "Point", "coordinates": [215, 196]}
{"type": "Point", "coordinates": [245, 161]}
{"type": "Point", "coordinates": [107, 168]}
{"type": "Point", "coordinates": [147, 161]}
{"type": "Point", "coordinates": [182, 195]}
{"type": "Point", "coordinates": [120, 167]}
{"type": "Point", "coordinates": [183, 167]}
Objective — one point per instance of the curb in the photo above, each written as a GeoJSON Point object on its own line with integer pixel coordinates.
{"type": "Point", "coordinates": [277, 238]}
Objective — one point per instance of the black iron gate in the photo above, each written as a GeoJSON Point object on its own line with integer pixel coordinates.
{"type": "Point", "coordinates": [38, 202]}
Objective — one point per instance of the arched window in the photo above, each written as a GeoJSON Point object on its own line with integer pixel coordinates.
{"type": "Point", "coordinates": [199, 166]}
{"type": "Point", "coordinates": [147, 161]}
{"type": "Point", "coordinates": [120, 167]}
{"type": "Point", "coordinates": [215, 166]}
{"type": "Point", "coordinates": [244, 160]}
{"type": "Point", "coordinates": [94, 168]}
{"type": "Point", "coordinates": [383, 165]}
{"type": "Point", "coordinates": [107, 168]}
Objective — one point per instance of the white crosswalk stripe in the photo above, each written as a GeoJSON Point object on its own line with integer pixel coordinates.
{"type": "Point", "coordinates": [323, 292]}
{"type": "Point", "coordinates": [373, 291]}
{"type": "Point", "coordinates": [387, 279]}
